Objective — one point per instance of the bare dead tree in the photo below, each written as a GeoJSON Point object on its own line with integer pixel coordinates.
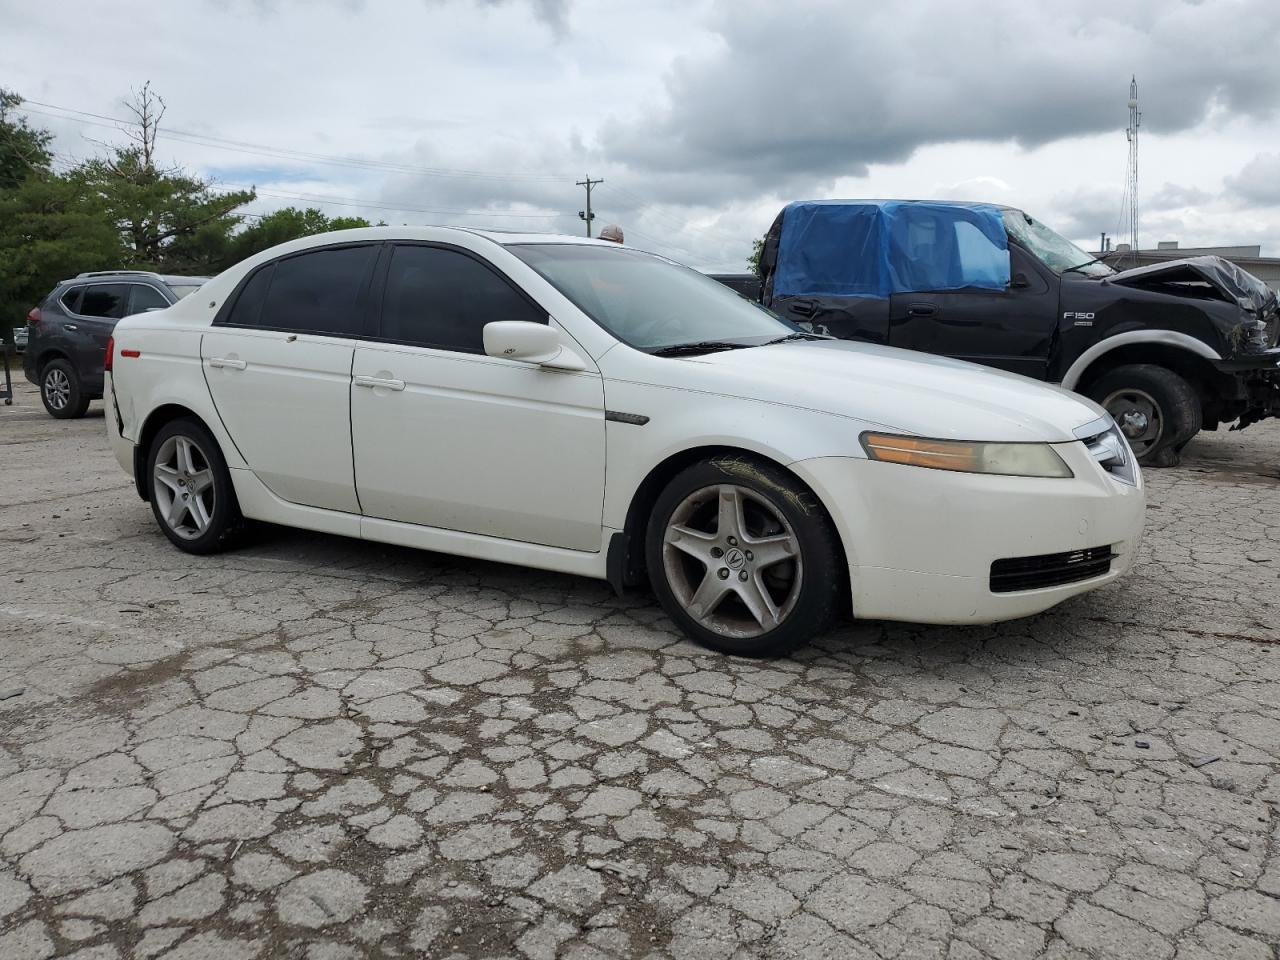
{"type": "Point", "coordinates": [148, 108]}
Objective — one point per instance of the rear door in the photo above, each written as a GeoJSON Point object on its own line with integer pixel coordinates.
{"type": "Point", "coordinates": [446, 436]}
{"type": "Point", "coordinates": [278, 365]}
{"type": "Point", "coordinates": [1011, 329]}
{"type": "Point", "coordinates": [89, 328]}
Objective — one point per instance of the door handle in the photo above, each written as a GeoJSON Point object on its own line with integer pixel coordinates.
{"type": "Point", "coordinates": [229, 364]}
{"type": "Point", "coordinates": [922, 310]}
{"type": "Point", "coordinates": [373, 382]}
{"type": "Point", "coordinates": [70, 326]}
{"type": "Point", "coordinates": [805, 308]}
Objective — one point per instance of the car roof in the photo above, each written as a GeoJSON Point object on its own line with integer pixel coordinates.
{"type": "Point", "coordinates": [133, 276]}
{"type": "Point", "coordinates": [428, 232]}
{"type": "Point", "coordinates": [968, 204]}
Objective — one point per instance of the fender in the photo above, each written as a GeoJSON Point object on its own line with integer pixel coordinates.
{"type": "Point", "coordinates": [1168, 338]}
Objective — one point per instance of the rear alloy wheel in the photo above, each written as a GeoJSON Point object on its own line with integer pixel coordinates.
{"type": "Point", "coordinates": [191, 493]}
{"type": "Point", "coordinates": [1156, 410]}
{"type": "Point", "coordinates": [60, 391]}
{"type": "Point", "coordinates": [742, 558]}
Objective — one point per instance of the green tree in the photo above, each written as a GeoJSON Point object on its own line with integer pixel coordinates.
{"type": "Point", "coordinates": [753, 261]}
{"type": "Point", "coordinates": [49, 230]}
{"type": "Point", "coordinates": [167, 219]}
{"type": "Point", "coordinates": [283, 225]}
{"type": "Point", "coordinates": [24, 150]}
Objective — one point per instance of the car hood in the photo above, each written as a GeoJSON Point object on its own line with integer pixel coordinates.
{"type": "Point", "coordinates": [911, 392]}
{"type": "Point", "coordinates": [1234, 284]}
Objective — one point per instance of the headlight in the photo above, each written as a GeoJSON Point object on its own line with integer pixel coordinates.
{"type": "Point", "coordinates": [1009, 459]}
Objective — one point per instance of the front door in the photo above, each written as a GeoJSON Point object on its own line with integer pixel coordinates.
{"type": "Point", "coordinates": [1011, 329]}
{"type": "Point", "coordinates": [278, 365]}
{"type": "Point", "coordinates": [445, 436]}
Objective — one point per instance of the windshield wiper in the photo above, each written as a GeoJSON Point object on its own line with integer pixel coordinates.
{"type": "Point", "coordinates": [1081, 266]}
{"type": "Point", "coordinates": [799, 335]}
{"type": "Point", "coordinates": [700, 346]}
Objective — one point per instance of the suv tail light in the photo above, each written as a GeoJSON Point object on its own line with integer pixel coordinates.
{"type": "Point", "coordinates": [34, 316]}
{"type": "Point", "coordinates": [111, 354]}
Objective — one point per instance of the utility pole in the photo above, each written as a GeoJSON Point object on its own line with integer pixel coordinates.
{"type": "Point", "coordinates": [587, 215]}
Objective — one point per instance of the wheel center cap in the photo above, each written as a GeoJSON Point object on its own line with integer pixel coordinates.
{"type": "Point", "coordinates": [735, 559]}
{"type": "Point", "coordinates": [1133, 423]}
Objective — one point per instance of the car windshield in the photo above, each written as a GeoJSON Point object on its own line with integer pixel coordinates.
{"type": "Point", "coordinates": [648, 302]}
{"type": "Point", "coordinates": [181, 290]}
{"type": "Point", "coordinates": [1054, 250]}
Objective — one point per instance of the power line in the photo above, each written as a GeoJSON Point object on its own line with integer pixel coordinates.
{"type": "Point", "coordinates": [248, 147]}
{"type": "Point", "coordinates": [69, 161]}
{"type": "Point", "coordinates": [258, 149]}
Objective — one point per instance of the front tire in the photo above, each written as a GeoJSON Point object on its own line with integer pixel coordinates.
{"type": "Point", "coordinates": [61, 391]}
{"type": "Point", "coordinates": [743, 558]}
{"type": "Point", "coordinates": [190, 486]}
{"type": "Point", "coordinates": [1157, 410]}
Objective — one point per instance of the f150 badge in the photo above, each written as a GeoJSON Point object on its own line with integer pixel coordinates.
{"type": "Point", "coordinates": [1081, 319]}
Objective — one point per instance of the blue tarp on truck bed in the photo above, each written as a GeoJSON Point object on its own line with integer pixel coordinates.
{"type": "Point", "coordinates": [874, 248]}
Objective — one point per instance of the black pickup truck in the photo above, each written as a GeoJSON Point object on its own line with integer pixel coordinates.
{"type": "Point", "coordinates": [1168, 349]}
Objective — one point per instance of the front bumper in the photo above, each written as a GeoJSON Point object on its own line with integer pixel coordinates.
{"type": "Point", "coordinates": [1265, 361]}
{"type": "Point", "coordinates": [1258, 378]}
{"type": "Point", "coordinates": [920, 543]}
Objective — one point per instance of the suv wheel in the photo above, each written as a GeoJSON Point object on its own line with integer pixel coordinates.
{"type": "Point", "coordinates": [1157, 410]}
{"type": "Point", "coordinates": [743, 558]}
{"type": "Point", "coordinates": [60, 391]}
{"type": "Point", "coordinates": [191, 493]}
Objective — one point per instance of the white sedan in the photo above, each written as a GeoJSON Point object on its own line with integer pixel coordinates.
{"type": "Point", "coordinates": [588, 408]}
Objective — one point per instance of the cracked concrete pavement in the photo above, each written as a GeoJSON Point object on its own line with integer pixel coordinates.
{"type": "Point", "coordinates": [320, 748]}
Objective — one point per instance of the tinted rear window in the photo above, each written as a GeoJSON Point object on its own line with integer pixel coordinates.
{"type": "Point", "coordinates": [71, 299]}
{"type": "Point", "coordinates": [248, 306]}
{"type": "Point", "coordinates": [144, 297]}
{"type": "Point", "coordinates": [103, 300]}
{"type": "Point", "coordinates": [319, 291]}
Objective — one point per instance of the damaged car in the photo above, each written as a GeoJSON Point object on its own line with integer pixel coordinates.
{"type": "Point", "coordinates": [1167, 350]}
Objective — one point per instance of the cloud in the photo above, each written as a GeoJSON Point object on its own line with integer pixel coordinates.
{"type": "Point", "coordinates": [554, 13]}
{"type": "Point", "coordinates": [1176, 196]}
{"type": "Point", "coordinates": [1258, 181]}
{"type": "Point", "coordinates": [830, 88]}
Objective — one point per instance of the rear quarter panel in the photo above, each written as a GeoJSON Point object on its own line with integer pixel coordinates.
{"type": "Point", "coordinates": [168, 370]}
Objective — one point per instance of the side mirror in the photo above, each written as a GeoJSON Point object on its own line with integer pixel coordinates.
{"type": "Point", "coordinates": [529, 343]}
{"type": "Point", "coordinates": [1018, 281]}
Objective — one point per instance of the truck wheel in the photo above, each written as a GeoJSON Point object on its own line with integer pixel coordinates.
{"type": "Point", "coordinates": [1156, 409]}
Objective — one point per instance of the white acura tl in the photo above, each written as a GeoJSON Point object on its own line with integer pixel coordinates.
{"type": "Point", "coordinates": [588, 408]}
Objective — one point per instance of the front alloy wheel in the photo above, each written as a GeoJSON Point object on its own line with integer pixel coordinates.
{"type": "Point", "coordinates": [732, 561]}
{"type": "Point", "coordinates": [743, 557]}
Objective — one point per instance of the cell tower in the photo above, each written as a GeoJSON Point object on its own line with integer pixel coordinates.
{"type": "Point", "coordinates": [1131, 186]}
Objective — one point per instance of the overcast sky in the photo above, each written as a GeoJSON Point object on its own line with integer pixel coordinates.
{"type": "Point", "coordinates": [703, 117]}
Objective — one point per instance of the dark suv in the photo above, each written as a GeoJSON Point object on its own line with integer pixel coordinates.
{"type": "Point", "coordinates": [68, 332]}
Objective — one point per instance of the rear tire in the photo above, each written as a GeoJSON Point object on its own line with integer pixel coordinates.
{"type": "Point", "coordinates": [743, 558]}
{"type": "Point", "coordinates": [1157, 410]}
{"type": "Point", "coordinates": [61, 391]}
{"type": "Point", "coordinates": [190, 488]}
